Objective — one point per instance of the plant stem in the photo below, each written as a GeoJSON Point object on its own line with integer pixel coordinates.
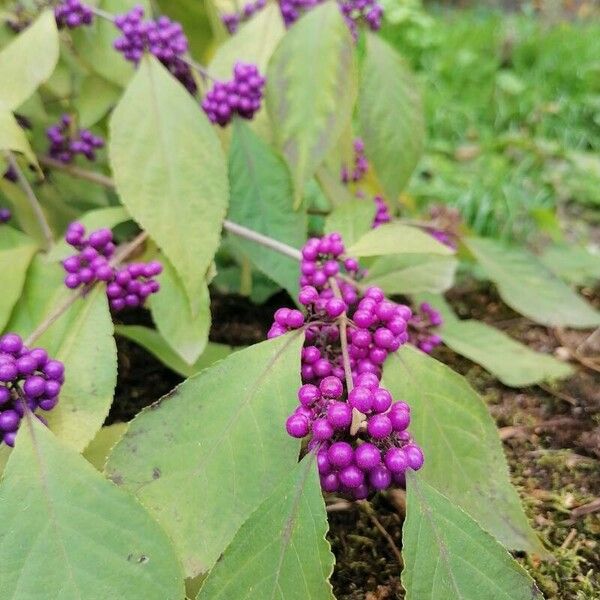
{"type": "Point", "coordinates": [357, 416]}
{"type": "Point", "coordinates": [77, 172]}
{"type": "Point", "coordinates": [122, 253]}
{"type": "Point", "coordinates": [32, 199]}
{"type": "Point", "coordinates": [102, 13]}
{"type": "Point", "coordinates": [190, 62]}
{"type": "Point", "coordinates": [259, 238]}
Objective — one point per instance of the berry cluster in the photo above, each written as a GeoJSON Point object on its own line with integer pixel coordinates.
{"type": "Point", "coordinates": [128, 287]}
{"type": "Point", "coordinates": [133, 284]}
{"type": "Point", "coordinates": [292, 10]}
{"type": "Point", "coordinates": [369, 12]}
{"type": "Point", "coordinates": [361, 164]}
{"type": "Point", "coordinates": [72, 14]}
{"type": "Point", "coordinates": [420, 328]}
{"type": "Point", "coordinates": [163, 38]}
{"type": "Point", "coordinates": [91, 263]}
{"type": "Point", "coordinates": [232, 20]}
{"type": "Point", "coordinates": [357, 431]}
{"type": "Point", "coordinates": [66, 141]}
{"type": "Point", "coordinates": [382, 214]}
{"type": "Point", "coordinates": [5, 215]}
{"type": "Point", "coordinates": [29, 379]}
{"type": "Point", "coordinates": [242, 95]}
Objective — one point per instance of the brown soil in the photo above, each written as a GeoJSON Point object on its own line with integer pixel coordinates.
{"type": "Point", "coordinates": [551, 437]}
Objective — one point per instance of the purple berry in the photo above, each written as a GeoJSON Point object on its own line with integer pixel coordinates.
{"type": "Point", "coordinates": [379, 426]}
{"type": "Point", "coordinates": [367, 456]}
{"type": "Point", "coordinates": [339, 415]}
{"type": "Point", "coordinates": [340, 454]}
{"type": "Point", "coordinates": [297, 426]}
{"type": "Point", "coordinates": [351, 476]}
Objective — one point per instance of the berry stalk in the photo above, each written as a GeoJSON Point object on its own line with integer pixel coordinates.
{"type": "Point", "coordinates": [34, 203]}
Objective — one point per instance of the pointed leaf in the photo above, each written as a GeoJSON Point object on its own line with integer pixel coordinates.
{"type": "Point", "coordinates": [253, 43]}
{"type": "Point", "coordinates": [99, 448]}
{"type": "Point", "coordinates": [69, 534]}
{"type": "Point", "coordinates": [83, 340]}
{"type": "Point", "coordinates": [390, 115]}
{"type": "Point", "coordinates": [185, 333]}
{"type": "Point", "coordinates": [16, 252]}
{"type": "Point", "coordinates": [170, 172]}
{"type": "Point", "coordinates": [395, 238]}
{"type": "Point", "coordinates": [261, 199]}
{"type": "Point", "coordinates": [412, 273]}
{"type": "Point", "coordinates": [448, 555]}
{"type": "Point", "coordinates": [514, 364]}
{"type": "Point", "coordinates": [28, 61]}
{"type": "Point", "coordinates": [526, 285]}
{"type": "Point", "coordinates": [12, 137]}
{"type": "Point", "coordinates": [574, 264]}
{"type": "Point", "coordinates": [311, 89]}
{"type": "Point", "coordinates": [285, 539]}
{"type": "Point", "coordinates": [463, 454]}
{"type": "Point", "coordinates": [204, 457]}
{"type": "Point", "coordinates": [352, 219]}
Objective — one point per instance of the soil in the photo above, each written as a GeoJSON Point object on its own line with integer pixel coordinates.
{"type": "Point", "coordinates": [551, 436]}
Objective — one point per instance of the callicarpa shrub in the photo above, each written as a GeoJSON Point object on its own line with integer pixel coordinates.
{"type": "Point", "coordinates": [203, 461]}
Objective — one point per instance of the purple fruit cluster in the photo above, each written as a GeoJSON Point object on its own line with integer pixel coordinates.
{"type": "Point", "coordinates": [29, 380]}
{"type": "Point", "coordinates": [375, 454]}
{"type": "Point", "coordinates": [361, 164]}
{"type": "Point", "coordinates": [91, 263]}
{"type": "Point", "coordinates": [128, 286]}
{"type": "Point", "coordinates": [72, 14]}
{"type": "Point", "coordinates": [163, 38]}
{"type": "Point", "coordinates": [5, 215]}
{"type": "Point", "coordinates": [382, 214]}
{"type": "Point", "coordinates": [443, 237]}
{"type": "Point", "coordinates": [292, 10]}
{"type": "Point", "coordinates": [66, 141]}
{"type": "Point", "coordinates": [421, 325]}
{"type": "Point", "coordinates": [369, 12]}
{"type": "Point", "coordinates": [132, 284]}
{"type": "Point", "coordinates": [232, 20]}
{"type": "Point", "coordinates": [241, 96]}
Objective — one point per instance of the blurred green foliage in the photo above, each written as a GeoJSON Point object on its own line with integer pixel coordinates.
{"type": "Point", "coordinates": [513, 116]}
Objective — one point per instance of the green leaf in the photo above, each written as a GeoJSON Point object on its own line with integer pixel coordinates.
{"type": "Point", "coordinates": [185, 333]}
{"type": "Point", "coordinates": [463, 454]}
{"type": "Point", "coordinates": [170, 172]}
{"type": "Point", "coordinates": [82, 339]}
{"type": "Point", "coordinates": [23, 214]}
{"type": "Point", "coordinates": [261, 199]}
{"type": "Point", "coordinates": [99, 448]}
{"type": "Point", "coordinates": [412, 273]}
{"type": "Point", "coordinates": [12, 137]}
{"type": "Point", "coordinates": [311, 89]}
{"type": "Point", "coordinates": [254, 42]}
{"type": "Point", "coordinates": [390, 116]}
{"type": "Point", "coordinates": [352, 219]}
{"type": "Point", "coordinates": [285, 540]}
{"type": "Point", "coordinates": [395, 238]}
{"type": "Point", "coordinates": [96, 97]}
{"type": "Point", "coordinates": [528, 287]}
{"type": "Point", "coordinates": [69, 534]}
{"type": "Point", "coordinates": [204, 457]}
{"type": "Point", "coordinates": [574, 264]}
{"type": "Point", "coordinates": [151, 340]}
{"type": "Point", "coordinates": [91, 220]}
{"type": "Point", "coordinates": [16, 252]}
{"type": "Point", "coordinates": [514, 364]}
{"type": "Point", "coordinates": [448, 555]}
{"type": "Point", "coordinates": [94, 44]}
{"type": "Point", "coordinates": [28, 61]}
